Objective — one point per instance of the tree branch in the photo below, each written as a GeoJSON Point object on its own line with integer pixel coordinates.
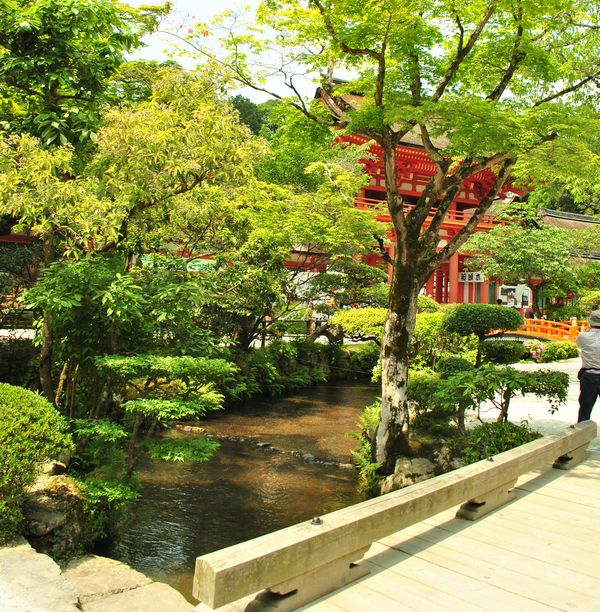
{"type": "Point", "coordinates": [334, 35]}
{"type": "Point", "coordinates": [517, 57]}
{"type": "Point", "coordinates": [463, 51]}
{"type": "Point", "coordinates": [567, 90]}
{"type": "Point", "coordinates": [465, 232]}
{"type": "Point", "coordinates": [382, 250]}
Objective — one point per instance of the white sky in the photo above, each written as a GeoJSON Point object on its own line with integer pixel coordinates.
{"type": "Point", "coordinates": [183, 15]}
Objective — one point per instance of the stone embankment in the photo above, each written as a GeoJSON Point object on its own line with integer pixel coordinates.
{"type": "Point", "coordinates": [33, 582]}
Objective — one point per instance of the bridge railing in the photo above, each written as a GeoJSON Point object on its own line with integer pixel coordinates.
{"type": "Point", "coordinates": [301, 563]}
{"type": "Point", "coordinates": [548, 330]}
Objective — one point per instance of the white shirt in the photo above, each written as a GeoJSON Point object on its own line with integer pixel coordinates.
{"type": "Point", "coordinates": [589, 347]}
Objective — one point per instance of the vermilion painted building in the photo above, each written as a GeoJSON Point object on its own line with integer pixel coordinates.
{"type": "Point", "coordinates": [451, 283]}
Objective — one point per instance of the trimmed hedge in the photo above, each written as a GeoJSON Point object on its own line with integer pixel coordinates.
{"type": "Point", "coordinates": [452, 364]}
{"type": "Point", "coordinates": [490, 439]}
{"type": "Point", "coordinates": [31, 432]}
{"type": "Point", "coordinates": [502, 351]}
{"type": "Point", "coordinates": [479, 319]}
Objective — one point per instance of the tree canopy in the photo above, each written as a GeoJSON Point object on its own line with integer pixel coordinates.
{"type": "Point", "coordinates": [503, 85]}
{"type": "Point", "coordinates": [56, 57]}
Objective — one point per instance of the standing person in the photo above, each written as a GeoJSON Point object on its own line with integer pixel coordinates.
{"type": "Point", "coordinates": [589, 375]}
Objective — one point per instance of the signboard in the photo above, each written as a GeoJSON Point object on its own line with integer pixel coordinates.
{"type": "Point", "coordinates": [471, 277]}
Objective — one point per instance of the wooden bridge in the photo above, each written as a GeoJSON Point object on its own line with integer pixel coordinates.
{"type": "Point", "coordinates": [408, 550]}
{"type": "Point", "coordinates": [540, 329]}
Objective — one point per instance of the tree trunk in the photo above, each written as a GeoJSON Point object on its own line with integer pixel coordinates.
{"type": "Point", "coordinates": [535, 297]}
{"type": "Point", "coordinates": [45, 368]}
{"type": "Point", "coordinates": [392, 433]}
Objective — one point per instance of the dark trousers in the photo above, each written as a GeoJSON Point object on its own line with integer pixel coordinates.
{"type": "Point", "coordinates": [589, 389]}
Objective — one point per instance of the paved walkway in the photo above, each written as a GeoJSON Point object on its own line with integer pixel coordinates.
{"type": "Point", "coordinates": [535, 410]}
{"type": "Point", "coordinates": [539, 552]}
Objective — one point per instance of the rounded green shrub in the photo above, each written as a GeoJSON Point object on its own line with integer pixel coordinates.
{"type": "Point", "coordinates": [555, 351]}
{"type": "Point", "coordinates": [480, 319]}
{"type": "Point", "coordinates": [502, 351]}
{"type": "Point", "coordinates": [427, 304]}
{"type": "Point", "coordinates": [489, 439]}
{"type": "Point", "coordinates": [452, 364]}
{"type": "Point", "coordinates": [31, 432]}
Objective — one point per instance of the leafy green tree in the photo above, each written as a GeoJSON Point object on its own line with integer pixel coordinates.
{"type": "Point", "coordinates": [57, 58]}
{"type": "Point", "coordinates": [482, 85]}
{"type": "Point", "coordinates": [480, 319]}
{"type": "Point", "coordinates": [251, 114]}
{"type": "Point", "coordinates": [539, 257]}
{"type": "Point", "coordinates": [497, 385]}
{"type": "Point", "coordinates": [159, 390]}
{"type": "Point", "coordinates": [364, 323]}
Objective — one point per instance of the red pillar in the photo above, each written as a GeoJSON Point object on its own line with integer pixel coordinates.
{"type": "Point", "coordinates": [484, 292]}
{"type": "Point", "coordinates": [429, 286]}
{"type": "Point", "coordinates": [453, 279]}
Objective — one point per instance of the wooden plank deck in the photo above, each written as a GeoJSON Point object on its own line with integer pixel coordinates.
{"type": "Point", "coordinates": [539, 552]}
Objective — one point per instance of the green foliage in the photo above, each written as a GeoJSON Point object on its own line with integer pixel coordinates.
{"type": "Point", "coordinates": [56, 90]}
{"type": "Point", "coordinates": [98, 447]}
{"type": "Point", "coordinates": [489, 439]}
{"type": "Point", "coordinates": [451, 364]}
{"type": "Point", "coordinates": [364, 323]}
{"type": "Point", "coordinates": [501, 351]}
{"type": "Point", "coordinates": [428, 416]}
{"type": "Point", "coordinates": [427, 304]}
{"type": "Point", "coordinates": [167, 410]}
{"type": "Point", "coordinates": [91, 305]}
{"type": "Point", "coordinates": [251, 114]}
{"type": "Point", "coordinates": [31, 432]}
{"type": "Point", "coordinates": [348, 282]}
{"type": "Point", "coordinates": [480, 319]}
{"type": "Point", "coordinates": [555, 351]}
{"type": "Point", "coordinates": [565, 312]}
{"type": "Point", "coordinates": [105, 500]}
{"type": "Point", "coordinates": [192, 370]}
{"type": "Point", "coordinates": [353, 361]}
{"type": "Point", "coordinates": [591, 300]}
{"type": "Point", "coordinates": [179, 451]}
{"type": "Point", "coordinates": [539, 254]}
{"type": "Point", "coordinates": [368, 478]}
{"type": "Point", "coordinates": [431, 339]}
{"type": "Point", "coordinates": [422, 385]}
{"type": "Point", "coordinates": [498, 385]}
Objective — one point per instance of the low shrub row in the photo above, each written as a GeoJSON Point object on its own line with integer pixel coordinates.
{"type": "Point", "coordinates": [282, 367]}
{"type": "Point", "coordinates": [31, 432]}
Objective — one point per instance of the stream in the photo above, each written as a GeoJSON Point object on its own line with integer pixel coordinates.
{"type": "Point", "coordinates": [281, 461]}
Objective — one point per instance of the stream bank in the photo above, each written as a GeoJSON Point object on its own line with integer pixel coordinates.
{"type": "Point", "coordinates": [281, 461]}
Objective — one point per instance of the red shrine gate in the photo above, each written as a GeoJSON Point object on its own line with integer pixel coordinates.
{"type": "Point", "coordinates": [451, 283]}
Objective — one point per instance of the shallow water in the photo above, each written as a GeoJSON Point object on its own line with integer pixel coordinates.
{"type": "Point", "coordinates": [246, 490]}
